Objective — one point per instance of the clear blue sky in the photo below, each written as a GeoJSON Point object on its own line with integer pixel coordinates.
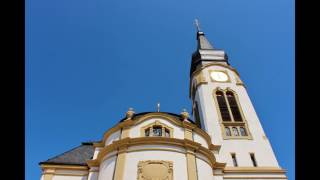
{"type": "Point", "coordinates": [88, 61]}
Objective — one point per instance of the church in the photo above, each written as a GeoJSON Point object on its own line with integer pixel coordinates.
{"type": "Point", "coordinates": [222, 138]}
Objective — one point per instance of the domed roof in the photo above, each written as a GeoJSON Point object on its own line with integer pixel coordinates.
{"type": "Point", "coordinates": [178, 116]}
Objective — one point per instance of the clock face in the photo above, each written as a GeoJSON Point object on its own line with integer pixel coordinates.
{"type": "Point", "coordinates": [219, 76]}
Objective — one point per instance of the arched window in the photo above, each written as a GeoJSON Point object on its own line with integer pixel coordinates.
{"type": "Point", "coordinates": [235, 131]}
{"type": "Point", "coordinates": [228, 132]}
{"type": "Point", "coordinates": [232, 119]}
{"type": "Point", "coordinates": [147, 132]}
{"type": "Point", "coordinates": [157, 131]}
{"type": "Point", "coordinates": [223, 106]}
{"type": "Point", "coordinates": [234, 106]}
{"type": "Point", "coordinates": [166, 132]}
{"type": "Point", "coordinates": [196, 115]}
{"type": "Point", "coordinates": [243, 131]}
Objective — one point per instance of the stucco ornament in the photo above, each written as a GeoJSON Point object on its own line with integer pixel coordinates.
{"type": "Point", "coordinates": [155, 170]}
{"type": "Point", "coordinates": [130, 113]}
{"type": "Point", "coordinates": [185, 115]}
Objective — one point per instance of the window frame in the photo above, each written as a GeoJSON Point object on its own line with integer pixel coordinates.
{"type": "Point", "coordinates": [150, 126]}
{"type": "Point", "coordinates": [235, 129]}
{"type": "Point", "coordinates": [230, 133]}
{"type": "Point", "coordinates": [232, 123]}
{"type": "Point", "coordinates": [244, 130]}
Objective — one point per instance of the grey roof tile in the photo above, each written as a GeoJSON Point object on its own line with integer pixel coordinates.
{"type": "Point", "coordinates": [76, 156]}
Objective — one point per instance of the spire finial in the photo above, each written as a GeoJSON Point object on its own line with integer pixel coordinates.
{"type": "Point", "coordinates": [185, 114]}
{"type": "Point", "coordinates": [196, 22]}
{"type": "Point", "coordinates": [158, 107]}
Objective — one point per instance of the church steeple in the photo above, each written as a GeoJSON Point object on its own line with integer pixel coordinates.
{"type": "Point", "coordinates": [205, 52]}
{"type": "Point", "coordinates": [221, 106]}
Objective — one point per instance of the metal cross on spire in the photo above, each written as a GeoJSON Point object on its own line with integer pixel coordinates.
{"type": "Point", "coordinates": [196, 22]}
{"type": "Point", "coordinates": [158, 107]}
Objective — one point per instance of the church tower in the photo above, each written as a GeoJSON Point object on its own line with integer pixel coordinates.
{"type": "Point", "coordinates": [222, 107]}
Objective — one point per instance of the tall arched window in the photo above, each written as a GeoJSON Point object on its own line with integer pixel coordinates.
{"type": "Point", "coordinates": [197, 115]}
{"type": "Point", "coordinates": [232, 119]}
{"type": "Point", "coordinates": [233, 106]}
{"type": "Point", "coordinates": [223, 106]}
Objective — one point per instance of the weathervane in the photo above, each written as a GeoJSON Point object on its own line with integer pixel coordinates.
{"type": "Point", "coordinates": [158, 107]}
{"type": "Point", "coordinates": [196, 22]}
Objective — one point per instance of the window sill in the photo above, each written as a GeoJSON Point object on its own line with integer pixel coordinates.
{"type": "Point", "coordinates": [237, 137]}
{"type": "Point", "coordinates": [232, 123]}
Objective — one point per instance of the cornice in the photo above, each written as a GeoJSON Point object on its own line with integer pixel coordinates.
{"type": "Point", "coordinates": [253, 170]}
{"type": "Point", "coordinates": [69, 167]}
{"type": "Point", "coordinates": [123, 144]}
{"type": "Point", "coordinates": [214, 64]}
{"type": "Point", "coordinates": [199, 70]}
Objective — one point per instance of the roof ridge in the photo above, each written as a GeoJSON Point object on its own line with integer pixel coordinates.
{"type": "Point", "coordinates": [88, 142]}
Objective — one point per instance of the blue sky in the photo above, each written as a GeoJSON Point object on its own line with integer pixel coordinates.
{"type": "Point", "coordinates": [88, 61]}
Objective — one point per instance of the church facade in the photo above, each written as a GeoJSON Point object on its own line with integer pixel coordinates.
{"type": "Point", "coordinates": [225, 139]}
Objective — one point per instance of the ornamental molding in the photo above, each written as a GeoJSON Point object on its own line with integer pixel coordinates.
{"type": "Point", "coordinates": [174, 120]}
{"type": "Point", "coordinates": [123, 144]}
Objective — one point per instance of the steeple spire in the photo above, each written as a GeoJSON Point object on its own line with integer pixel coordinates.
{"type": "Point", "coordinates": [203, 43]}
{"type": "Point", "coordinates": [205, 52]}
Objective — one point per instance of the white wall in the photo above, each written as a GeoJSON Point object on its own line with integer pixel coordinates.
{"type": "Point", "coordinates": [107, 168]}
{"type": "Point", "coordinates": [138, 153]}
{"type": "Point", "coordinates": [204, 170]}
{"type": "Point", "coordinates": [133, 158]}
{"type": "Point", "coordinates": [93, 176]}
{"type": "Point", "coordinates": [113, 137]}
{"type": "Point", "coordinates": [199, 139]}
